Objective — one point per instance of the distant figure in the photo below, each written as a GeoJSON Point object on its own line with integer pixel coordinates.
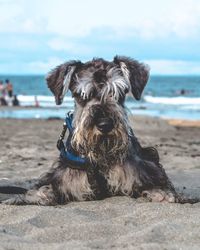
{"type": "Point", "coordinates": [15, 101]}
{"type": "Point", "coordinates": [3, 101]}
{"type": "Point", "coordinates": [182, 92]}
{"type": "Point", "coordinates": [9, 88]}
{"type": "Point", "coordinates": [1, 87]}
{"type": "Point", "coordinates": [36, 102]}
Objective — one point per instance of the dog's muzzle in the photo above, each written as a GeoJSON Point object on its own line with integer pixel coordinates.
{"type": "Point", "coordinates": [103, 123]}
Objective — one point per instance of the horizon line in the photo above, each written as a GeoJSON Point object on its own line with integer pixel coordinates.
{"type": "Point", "coordinates": [43, 74]}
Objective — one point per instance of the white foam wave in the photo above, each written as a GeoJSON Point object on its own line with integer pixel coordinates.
{"type": "Point", "coordinates": [43, 101]}
{"type": "Point", "coordinates": [184, 103]}
{"type": "Point", "coordinates": [190, 107]}
{"type": "Point", "coordinates": [180, 100]}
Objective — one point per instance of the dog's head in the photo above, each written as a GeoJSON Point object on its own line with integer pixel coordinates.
{"type": "Point", "coordinates": [99, 88]}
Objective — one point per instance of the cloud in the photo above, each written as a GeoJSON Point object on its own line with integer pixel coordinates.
{"type": "Point", "coordinates": [44, 66]}
{"type": "Point", "coordinates": [31, 67]}
{"type": "Point", "coordinates": [146, 19]}
{"type": "Point", "coordinates": [77, 18]}
{"type": "Point", "coordinates": [21, 16]}
{"type": "Point", "coordinates": [157, 67]}
{"type": "Point", "coordinates": [37, 34]}
{"type": "Point", "coordinates": [62, 44]}
{"type": "Point", "coordinates": [174, 67]}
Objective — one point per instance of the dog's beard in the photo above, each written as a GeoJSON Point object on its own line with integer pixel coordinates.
{"type": "Point", "coordinates": [105, 150]}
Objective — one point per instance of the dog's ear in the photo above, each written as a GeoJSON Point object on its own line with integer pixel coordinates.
{"type": "Point", "coordinates": [135, 73]}
{"type": "Point", "coordinates": [59, 79]}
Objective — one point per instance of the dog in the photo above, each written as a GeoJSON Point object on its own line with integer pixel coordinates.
{"type": "Point", "coordinates": [102, 157]}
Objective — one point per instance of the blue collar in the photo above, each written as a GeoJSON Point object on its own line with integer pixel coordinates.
{"type": "Point", "coordinates": [66, 150]}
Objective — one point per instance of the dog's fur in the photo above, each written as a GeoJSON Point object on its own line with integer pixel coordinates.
{"type": "Point", "coordinates": [117, 164]}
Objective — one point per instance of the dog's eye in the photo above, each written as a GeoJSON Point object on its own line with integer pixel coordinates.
{"type": "Point", "coordinates": [121, 100]}
{"type": "Point", "coordinates": [126, 91]}
{"type": "Point", "coordinates": [79, 96]}
{"type": "Point", "coordinates": [79, 99]}
{"type": "Point", "coordinates": [82, 98]}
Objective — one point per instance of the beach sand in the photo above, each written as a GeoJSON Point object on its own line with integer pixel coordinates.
{"type": "Point", "coordinates": [28, 148]}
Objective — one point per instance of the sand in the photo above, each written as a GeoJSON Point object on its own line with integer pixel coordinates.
{"type": "Point", "coordinates": [27, 149]}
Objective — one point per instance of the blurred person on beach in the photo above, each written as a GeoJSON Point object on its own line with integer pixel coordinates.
{"type": "Point", "coordinates": [183, 92]}
{"type": "Point", "coordinates": [36, 102]}
{"type": "Point", "coordinates": [3, 101]}
{"type": "Point", "coordinates": [15, 101]}
{"type": "Point", "coordinates": [1, 87]}
{"type": "Point", "coordinates": [9, 88]}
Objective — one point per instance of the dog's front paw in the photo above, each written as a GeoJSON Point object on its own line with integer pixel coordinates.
{"type": "Point", "coordinates": [158, 195]}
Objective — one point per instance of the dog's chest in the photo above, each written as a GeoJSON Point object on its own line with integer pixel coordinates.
{"type": "Point", "coordinates": [121, 179]}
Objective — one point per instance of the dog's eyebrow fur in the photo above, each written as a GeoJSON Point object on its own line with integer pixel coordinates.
{"type": "Point", "coordinates": [116, 84]}
{"type": "Point", "coordinates": [84, 86]}
{"type": "Point", "coordinates": [113, 86]}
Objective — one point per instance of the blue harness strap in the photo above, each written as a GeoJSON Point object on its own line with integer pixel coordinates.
{"type": "Point", "coordinates": [68, 121]}
{"type": "Point", "coordinates": [66, 150]}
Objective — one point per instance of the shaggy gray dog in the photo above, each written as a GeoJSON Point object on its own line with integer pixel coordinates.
{"type": "Point", "coordinates": [102, 156]}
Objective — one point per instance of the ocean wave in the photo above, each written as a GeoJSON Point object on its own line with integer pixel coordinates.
{"type": "Point", "coordinates": [43, 101]}
{"type": "Point", "coordinates": [192, 103]}
{"type": "Point", "coordinates": [180, 100]}
{"type": "Point", "coordinates": [190, 107]}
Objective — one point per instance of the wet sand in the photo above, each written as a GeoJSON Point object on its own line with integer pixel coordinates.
{"type": "Point", "coordinates": [28, 148]}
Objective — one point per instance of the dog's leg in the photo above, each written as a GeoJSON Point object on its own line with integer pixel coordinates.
{"type": "Point", "coordinates": [43, 196]}
{"type": "Point", "coordinates": [59, 186]}
{"type": "Point", "coordinates": [154, 184]}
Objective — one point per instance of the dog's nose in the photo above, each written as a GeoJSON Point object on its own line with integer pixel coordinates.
{"type": "Point", "coordinates": [105, 125]}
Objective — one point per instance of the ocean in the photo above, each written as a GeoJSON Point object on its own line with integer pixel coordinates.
{"type": "Point", "coordinates": [170, 97]}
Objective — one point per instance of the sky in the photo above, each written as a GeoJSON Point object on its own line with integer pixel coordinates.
{"type": "Point", "coordinates": [37, 35]}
